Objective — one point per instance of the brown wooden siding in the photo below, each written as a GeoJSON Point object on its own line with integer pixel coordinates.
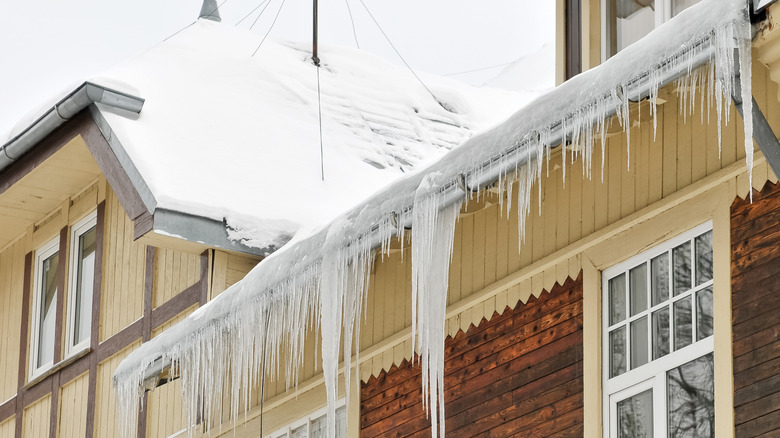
{"type": "Point", "coordinates": [755, 269]}
{"type": "Point", "coordinates": [519, 373]}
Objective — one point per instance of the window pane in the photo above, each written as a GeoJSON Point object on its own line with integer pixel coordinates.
{"type": "Point", "coordinates": [681, 258]}
{"type": "Point", "coordinates": [319, 427]}
{"type": "Point", "coordinates": [680, 5]}
{"type": "Point", "coordinates": [617, 299]}
{"type": "Point", "coordinates": [635, 416]}
{"type": "Point", "coordinates": [341, 422]}
{"type": "Point", "coordinates": [660, 278]}
{"type": "Point", "coordinates": [629, 20]}
{"type": "Point", "coordinates": [617, 348]}
{"type": "Point", "coordinates": [704, 258]}
{"type": "Point", "coordinates": [639, 342]}
{"type": "Point", "coordinates": [683, 330]}
{"type": "Point", "coordinates": [48, 309]}
{"type": "Point", "coordinates": [638, 289]}
{"type": "Point", "coordinates": [704, 313]}
{"type": "Point", "coordinates": [691, 399]}
{"type": "Point", "coordinates": [660, 333]}
{"type": "Point", "coordinates": [84, 285]}
{"type": "Point", "coordinates": [300, 432]}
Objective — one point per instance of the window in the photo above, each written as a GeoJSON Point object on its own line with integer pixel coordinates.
{"type": "Point", "coordinates": [657, 337]}
{"type": "Point", "coordinates": [315, 425]}
{"type": "Point", "coordinates": [47, 262]}
{"type": "Point", "coordinates": [77, 317]}
{"type": "Point", "coordinates": [83, 241]}
{"type": "Point", "coordinates": [626, 21]}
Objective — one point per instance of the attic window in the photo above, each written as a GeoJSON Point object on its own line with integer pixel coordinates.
{"type": "Point", "coordinates": [627, 21]}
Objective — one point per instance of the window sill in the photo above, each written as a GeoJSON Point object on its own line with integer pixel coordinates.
{"type": "Point", "coordinates": [56, 367]}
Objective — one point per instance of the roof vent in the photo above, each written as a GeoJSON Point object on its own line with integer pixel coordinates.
{"type": "Point", "coordinates": [210, 11]}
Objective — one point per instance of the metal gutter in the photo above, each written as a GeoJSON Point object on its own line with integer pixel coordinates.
{"type": "Point", "coordinates": [83, 96]}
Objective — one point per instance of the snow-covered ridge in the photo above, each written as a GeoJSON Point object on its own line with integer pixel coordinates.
{"type": "Point", "coordinates": [230, 136]}
{"type": "Point", "coordinates": [316, 278]}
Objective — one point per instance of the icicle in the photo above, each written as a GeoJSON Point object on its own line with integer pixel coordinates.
{"type": "Point", "coordinates": [744, 47]}
{"type": "Point", "coordinates": [431, 257]}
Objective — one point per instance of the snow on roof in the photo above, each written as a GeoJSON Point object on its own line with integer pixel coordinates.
{"type": "Point", "coordinates": [225, 134]}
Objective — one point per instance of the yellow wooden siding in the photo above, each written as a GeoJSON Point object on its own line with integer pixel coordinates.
{"type": "Point", "coordinates": [237, 268]}
{"type": "Point", "coordinates": [165, 411]}
{"type": "Point", "coordinates": [72, 417]}
{"type": "Point", "coordinates": [36, 421]}
{"type": "Point", "coordinates": [11, 283]}
{"type": "Point", "coordinates": [105, 398]}
{"type": "Point", "coordinates": [122, 295]}
{"type": "Point", "coordinates": [174, 271]}
{"type": "Point", "coordinates": [8, 428]}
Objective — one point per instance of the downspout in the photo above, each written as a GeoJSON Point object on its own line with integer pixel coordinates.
{"type": "Point", "coordinates": [83, 96]}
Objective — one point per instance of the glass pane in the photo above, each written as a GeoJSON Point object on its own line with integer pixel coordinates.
{"type": "Point", "coordinates": [341, 422]}
{"type": "Point", "coordinates": [319, 427]}
{"type": "Point", "coordinates": [617, 348]}
{"type": "Point", "coordinates": [85, 278]}
{"type": "Point", "coordinates": [683, 330]}
{"type": "Point", "coordinates": [660, 333]}
{"type": "Point", "coordinates": [691, 399]}
{"type": "Point", "coordinates": [48, 309]}
{"type": "Point", "coordinates": [617, 299]}
{"type": "Point", "coordinates": [660, 278]}
{"type": "Point", "coordinates": [681, 258]}
{"type": "Point", "coordinates": [704, 313]}
{"type": "Point", "coordinates": [680, 5]}
{"type": "Point", "coordinates": [300, 432]}
{"type": "Point", "coordinates": [703, 258]}
{"type": "Point", "coordinates": [639, 342]}
{"type": "Point", "coordinates": [637, 279]}
{"type": "Point", "coordinates": [635, 416]}
{"type": "Point", "coordinates": [629, 20]}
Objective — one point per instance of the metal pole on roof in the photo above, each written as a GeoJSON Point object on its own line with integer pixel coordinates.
{"type": "Point", "coordinates": [314, 56]}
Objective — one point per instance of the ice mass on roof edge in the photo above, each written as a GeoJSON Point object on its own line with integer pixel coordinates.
{"type": "Point", "coordinates": [290, 291]}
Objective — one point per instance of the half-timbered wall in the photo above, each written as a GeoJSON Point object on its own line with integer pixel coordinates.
{"type": "Point", "coordinates": [520, 373]}
{"type": "Point", "coordinates": [755, 270]}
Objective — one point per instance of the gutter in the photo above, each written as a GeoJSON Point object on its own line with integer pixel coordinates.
{"type": "Point", "coordinates": [83, 96]}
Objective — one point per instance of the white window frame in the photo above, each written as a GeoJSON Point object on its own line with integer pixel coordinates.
{"type": "Point", "coordinates": [653, 373]}
{"type": "Point", "coordinates": [76, 231]}
{"type": "Point", "coordinates": [663, 13]}
{"type": "Point", "coordinates": [44, 252]}
{"type": "Point", "coordinates": [307, 420]}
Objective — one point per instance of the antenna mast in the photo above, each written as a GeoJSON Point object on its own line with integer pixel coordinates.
{"type": "Point", "coordinates": [314, 57]}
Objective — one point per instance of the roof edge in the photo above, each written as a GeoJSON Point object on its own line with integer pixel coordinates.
{"type": "Point", "coordinates": [80, 98]}
{"type": "Point", "coordinates": [210, 232]}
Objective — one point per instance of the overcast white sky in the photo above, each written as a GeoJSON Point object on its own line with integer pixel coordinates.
{"type": "Point", "coordinates": [49, 46]}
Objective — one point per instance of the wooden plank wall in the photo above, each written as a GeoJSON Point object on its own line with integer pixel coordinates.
{"type": "Point", "coordinates": [36, 418]}
{"type": "Point", "coordinates": [122, 300]}
{"type": "Point", "coordinates": [7, 428]}
{"type": "Point", "coordinates": [174, 271]}
{"type": "Point", "coordinates": [755, 269]}
{"type": "Point", "coordinates": [520, 373]}
{"type": "Point", "coordinates": [11, 279]}
{"type": "Point", "coordinates": [72, 417]}
{"type": "Point", "coordinates": [106, 402]}
{"type": "Point", "coordinates": [684, 150]}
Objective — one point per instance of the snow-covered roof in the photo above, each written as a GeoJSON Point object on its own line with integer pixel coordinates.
{"type": "Point", "coordinates": [225, 134]}
{"type": "Point", "coordinates": [320, 276]}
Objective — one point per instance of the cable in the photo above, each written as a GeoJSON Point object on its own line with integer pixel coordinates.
{"type": "Point", "coordinates": [399, 54]}
{"type": "Point", "coordinates": [479, 69]}
{"type": "Point", "coordinates": [352, 20]}
{"type": "Point", "coordinates": [270, 28]}
{"type": "Point", "coordinates": [252, 12]}
{"type": "Point", "coordinates": [319, 112]}
{"type": "Point", "coordinates": [268, 3]}
{"type": "Point", "coordinates": [185, 27]}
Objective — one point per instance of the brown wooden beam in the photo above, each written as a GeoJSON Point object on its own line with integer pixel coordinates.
{"type": "Point", "coordinates": [23, 343]}
{"type": "Point", "coordinates": [61, 274]}
{"type": "Point", "coordinates": [8, 409]}
{"type": "Point", "coordinates": [94, 335]}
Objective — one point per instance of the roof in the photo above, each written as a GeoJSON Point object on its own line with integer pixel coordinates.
{"type": "Point", "coordinates": [234, 137]}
